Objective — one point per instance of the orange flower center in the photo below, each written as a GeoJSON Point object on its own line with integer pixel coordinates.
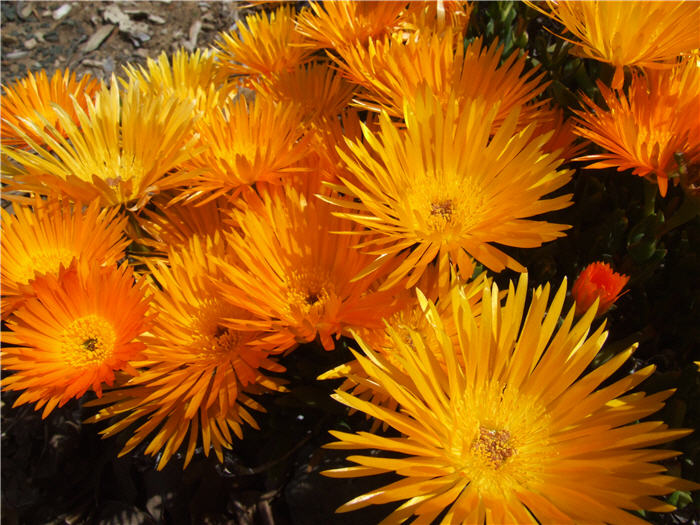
{"type": "Point", "coordinates": [211, 338]}
{"type": "Point", "coordinates": [308, 291]}
{"type": "Point", "coordinates": [224, 340]}
{"type": "Point", "coordinates": [88, 341]}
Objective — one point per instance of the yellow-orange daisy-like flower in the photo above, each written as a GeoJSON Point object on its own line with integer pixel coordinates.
{"type": "Point", "coordinates": [127, 141]}
{"type": "Point", "coordinates": [348, 22]}
{"type": "Point", "coordinates": [295, 274]}
{"type": "Point", "coordinates": [597, 282]}
{"type": "Point", "coordinates": [173, 227]}
{"type": "Point", "coordinates": [79, 328]}
{"type": "Point", "coordinates": [445, 186]}
{"type": "Point", "coordinates": [187, 76]}
{"type": "Point", "coordinates": [506, 426]}
{"type": "Point", "coordinates": [433, 17]}
{"type": "Point", "coordinates": [51, 234]}
{"type": "Point", "coordinates": [197, 372]}
{"type": "Point", "coordinates": [266, 44]}
{"type": "Point", "coordinates": [32, 99]}
{"type": "Point", "coordinates": [396, 73]}
{"type": "Point", "coordinates": [645, 129]}
{"type": "Point", "coordinates": [317, 88]}
{"type": "Point", "coordinates": [646, 34]}
{"type": "Point", "coordinates": [244, 143]}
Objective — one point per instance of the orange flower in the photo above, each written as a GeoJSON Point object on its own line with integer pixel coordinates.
{"type": "Point", "coordinates": [317, 88]}
{"type": "Point", "coordinates": [244, 143]}
{"type": "Point", "coordinates": [53, 233]}
{"type": "Point", "coordinates": [29, 102]}
{"type": "Point", "coordinates": [265, 44]}
{"type": "Point", "coordinates": [644, 129]}
{"type": "Point", "coordinates": [296, 274]}
{"type": "Point", "coordinates": [337, 24]}
{"type": "Point", "coordinates": [396, 73]}
{"type": "Point", "coordinates": [597, 281]}
{"type": "Point", "coordinates": [197, 372]}
{"type": "Point", "coordinates": [646, 34]}
{"type": "Point", "coordinates": [429, 16]}
{"type": "Point", "coordinates": [78, 330]}
{"type": "Point", "coordinates": [173, 227]}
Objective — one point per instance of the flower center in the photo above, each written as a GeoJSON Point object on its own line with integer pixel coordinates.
{"type": "Point", "coordinates": [493, 446]}
{"type": "Point", "coordinates": [88, 341]}
{"type": "Point", "coordinates": [308, 291]}
{"type": "Point", "coordinates": [224, 340]}
{"type": "Point", "coordinates": [444, 209]}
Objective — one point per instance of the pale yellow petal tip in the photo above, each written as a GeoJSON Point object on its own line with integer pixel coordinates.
{"type": "Point", "coordinates": [338, 372]}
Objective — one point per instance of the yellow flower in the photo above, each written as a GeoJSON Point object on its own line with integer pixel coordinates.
{"type": "Point", "coordinates": [243, 143]}
{"type": "Point", "coordinates": [445, 186]}
{"type": "Point", "coordinates": [50, 235]}
{"type": "Point", "coordinates": [32, 98]}
{"type": "Point", "coordinates": [77, 330]}
{"type": "Point", "coordinates": [295, 273]}
{"type": "Point", "coordinates": [646, 34]}
{"type": "Point", "coordinates": [396, 73]}
{"type": "Point", "coordinates": [506, 426]}
{"type": "Point", "coordinates": [126, 142]}
{"type": "Point", "coordinates": [645, 129]}
{"type": "Point", "coordinates": [348, 22]}
{"type": "Point", "coordinates": [197, 371]}
{"type": "Point", "coordinates": [187, 76]}
{"type": "Point", "coordinates": [266, 44]}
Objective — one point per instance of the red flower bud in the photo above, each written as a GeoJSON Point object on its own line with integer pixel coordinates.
{"type": "Point", "coordinates": [597, 280]}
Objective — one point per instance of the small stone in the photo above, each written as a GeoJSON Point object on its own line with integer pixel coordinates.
{"type": "Point", "coordinates": [30, 44]}
{"type": "Point", "coordinates": [92, 63]}
{"type": "Point", "coordinates": [51, 37]}
{"type": "Point", "coordinates": [156, 19]}
{"type": "Point", "coordinates": [14, 55]}
{"type": "Point", "coordinates": [195, 28]}
{"type": "Point", "coordinates": [61, 11]}
{"type": "Point", "coordinates": [97, 38]}
{"type": "Point", "coordinates": [25, 10]}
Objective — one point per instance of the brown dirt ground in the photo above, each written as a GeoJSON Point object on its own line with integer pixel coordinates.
{"type": "Point", "coordinates": [34, 39]}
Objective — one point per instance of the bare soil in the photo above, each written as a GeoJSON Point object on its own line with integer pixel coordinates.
{"type": "Point", "coordinates": [57, 35]}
